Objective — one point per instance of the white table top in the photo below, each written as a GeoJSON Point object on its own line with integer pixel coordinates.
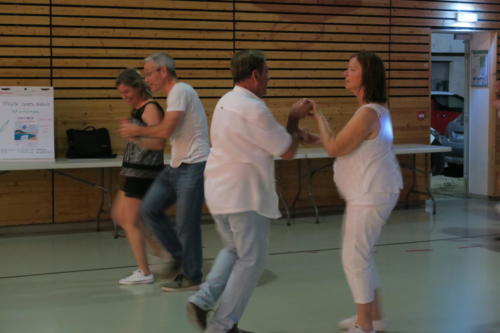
{"type": "Point", "coordinates": [411, 148]}
{"type": "Point", "coordinates": [61, 163]}
{"type": "Point", "coordinates": [399, 149]}
{"type": "Point", "coordinates": [66, 163]}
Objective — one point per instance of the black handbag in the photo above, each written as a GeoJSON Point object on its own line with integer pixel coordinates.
{"type": "Point", "coordinates": [89, 142]}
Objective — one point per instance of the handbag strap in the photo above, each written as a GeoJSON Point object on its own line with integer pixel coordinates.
{"type": "Point", "coordinates": [89, 128]}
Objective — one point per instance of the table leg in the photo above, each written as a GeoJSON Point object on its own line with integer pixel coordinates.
{"type": "Point", "coordinates": [413, 169]}
{"type": "Point", "coordinates": [109, 187]}
{"type": "Point", "coordinates": [428, 183]}
{"type": "Point", "coordinates": [311, 174]}
{"type": "Point", "coordinates": [283, 202]}
{"type": "Point", "coordinates": [411, 189]}
{"type": "Point", "coordinates": [299, 187]}
{"type": "Point", "coordinates": [100, 185]}
{"type": "Point", "coordinates": [101, 200]}
{"type": "Point", "coordinates": [106, 184]}
{"type": "Point", "coordinates": [53, 196]}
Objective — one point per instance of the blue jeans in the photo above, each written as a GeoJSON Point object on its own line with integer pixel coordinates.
{"type": "Point", "coordinates": [236, 269]}
{"type": "Point", "coordinates": [182, 185]}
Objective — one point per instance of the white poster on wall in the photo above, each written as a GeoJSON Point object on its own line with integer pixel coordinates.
{"type": "Point", "coordinates": [26, 123]}
{"type": "Point", "coordinates": [479, 68]}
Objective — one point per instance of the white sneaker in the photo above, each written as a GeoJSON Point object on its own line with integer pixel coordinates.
{"type": "Point", "coordinates": [497, 208]}
{"type": "Point", "coordinates": [357, 329]}
{"type": "Point", "coordinates": [378, 325]}
{"type": "Point", "coordinates": [138, 277]}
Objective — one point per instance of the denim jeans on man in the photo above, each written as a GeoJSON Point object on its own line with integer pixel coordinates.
{"type": "Point", "coordinates": [184, 186]}
{"type": "Point", "coordinates": [236, 270]}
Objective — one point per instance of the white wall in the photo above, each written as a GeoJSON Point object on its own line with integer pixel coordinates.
{"type": "Point", "coordinates": [456, 73]}
{"type": "Point", "coordinates": [445, 43]}
{"type": "Point", "coordinates": [480, 170]}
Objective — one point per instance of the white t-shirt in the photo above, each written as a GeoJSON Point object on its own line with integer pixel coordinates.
{"type": "Point", "coordinates": [239, 175]}
{"type": "Point", "coordinates": [189, 141]}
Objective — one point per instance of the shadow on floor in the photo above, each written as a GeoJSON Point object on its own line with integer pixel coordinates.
{"type": "Point", "coordinates": [488, 328]}
{"type": "Point", "coordinates": [476, 237]}
{"type": "Point", "coordinates": [442, 186]}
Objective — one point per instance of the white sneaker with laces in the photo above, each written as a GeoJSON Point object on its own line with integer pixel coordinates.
{"type": "Point", "coordinates": [357, 329]}
{"type": "Point", "coordinates": [378, 325]}
{"type": "Point", "coordinates": [138, 277]}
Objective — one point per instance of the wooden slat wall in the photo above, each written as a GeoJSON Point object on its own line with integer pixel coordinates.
{"type": "Point", "coordinates": [80, 46]}
{"type": "Point", "coordinates": [94, 41]}
{"type": "Point", "coordinates": [25, 60]}
{"type": "Point", "coordinates": [308, 45]}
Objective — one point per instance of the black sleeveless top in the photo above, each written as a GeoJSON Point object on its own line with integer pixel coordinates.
{"type": "Point", "coordinates": [137, 161]}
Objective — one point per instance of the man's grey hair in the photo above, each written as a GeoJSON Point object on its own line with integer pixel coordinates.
{"type": "Point", "coordinates": [163, 60]}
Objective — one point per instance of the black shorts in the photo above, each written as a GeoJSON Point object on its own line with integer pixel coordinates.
{"type": "Point", "coordinates": [136, 187]}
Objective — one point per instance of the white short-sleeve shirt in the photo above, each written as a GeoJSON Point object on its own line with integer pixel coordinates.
{"type": "Point", "coordinates": [189, 141]}
{"type": "Point", "coordinates": [245, 137]}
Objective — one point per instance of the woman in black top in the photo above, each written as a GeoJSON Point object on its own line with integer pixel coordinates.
{"type": "Point", "coordinates": [142, 161]}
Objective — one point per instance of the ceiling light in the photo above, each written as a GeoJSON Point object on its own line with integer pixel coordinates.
{"type": "Point", "coordinates": [466, 17]}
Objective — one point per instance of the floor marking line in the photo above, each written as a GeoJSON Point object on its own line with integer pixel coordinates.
{"type": "Point", "coordinates": [270, 254]}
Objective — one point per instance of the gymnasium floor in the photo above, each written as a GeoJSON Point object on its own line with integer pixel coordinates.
{"type": "Point", "coordinates": [439, 274]}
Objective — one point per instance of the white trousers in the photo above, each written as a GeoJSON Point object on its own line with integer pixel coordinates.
{"type": "Point", "coordinates": [236, 270]}
{"type": "Point", "coordinates": [361, 229]}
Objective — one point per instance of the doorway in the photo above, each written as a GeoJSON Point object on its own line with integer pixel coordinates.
{"type": "Point", "coordinates": [463, 74]}
{"type": "Point", "coordinates": [448, 107]}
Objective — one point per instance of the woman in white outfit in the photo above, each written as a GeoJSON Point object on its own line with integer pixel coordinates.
{"type": "Point", "coordinates": [368, 177]}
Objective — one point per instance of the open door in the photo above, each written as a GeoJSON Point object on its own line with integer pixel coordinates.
{"type": "Point", "coordinates": [480, 116]}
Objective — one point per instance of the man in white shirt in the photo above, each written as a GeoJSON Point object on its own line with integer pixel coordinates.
{"type": "Point", "coordinates": [181, 182]}
{"type": "Point", "coordinates": [240, 190]}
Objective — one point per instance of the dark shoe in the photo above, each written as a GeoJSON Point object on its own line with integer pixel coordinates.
{"type": "Point", "coordinates": [197, 316]}
{"type": "Point", "coordinates": [180, 283]}
{"type": "Point", "coordinates": [177, 265]}
{"type": "Point", "coordinates": [175, 269]}
{"type": "Point", "coordinates": [235, 329]}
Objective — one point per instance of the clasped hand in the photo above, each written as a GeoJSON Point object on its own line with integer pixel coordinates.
{"type": "Point", "coordinates": [300, 109]}
{"type": "Point", "coordinates": [127, 130]}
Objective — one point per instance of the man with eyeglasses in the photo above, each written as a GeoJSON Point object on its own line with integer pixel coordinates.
{"type": "Point", "coordinates": [181, 182]}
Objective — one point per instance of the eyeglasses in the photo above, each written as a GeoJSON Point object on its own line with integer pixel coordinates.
{"type": "Point", "coordinates": [148, 74]}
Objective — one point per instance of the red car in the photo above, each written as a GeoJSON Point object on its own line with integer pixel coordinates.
{"type": "Point", "coordinates": [445, 107]}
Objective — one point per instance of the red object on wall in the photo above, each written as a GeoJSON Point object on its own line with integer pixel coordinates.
{"type": "Point", "coordinates": [445, 107]}
{"type": "Point", "coordinates": [420, 115]}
